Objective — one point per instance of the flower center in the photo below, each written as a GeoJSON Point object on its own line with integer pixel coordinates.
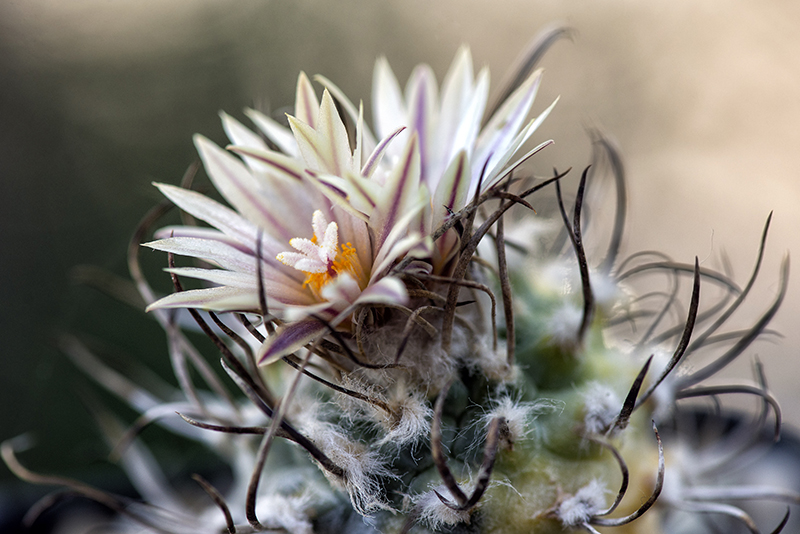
{"type": "Point", "coordinates": [320, 257]}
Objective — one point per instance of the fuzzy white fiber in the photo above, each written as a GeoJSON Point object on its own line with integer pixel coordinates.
{"type": "Point", "coordinates": [564, 323]}
{"type": "Point", "coordinates": [518, 417]}
{"type": "Point", "coordinates": [601, 407]}
{"type": "Point", "coordinates": [278, 512]}
{"type": "Point", "coordinates": [586, 502]}
{"type": "Point", "coordinates": [434, 513]}
{"type": "Point", "coordinates": [361, 465]}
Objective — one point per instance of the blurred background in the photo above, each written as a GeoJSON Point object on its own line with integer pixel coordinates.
{"type": "Point", "coordinates": [100, 98]}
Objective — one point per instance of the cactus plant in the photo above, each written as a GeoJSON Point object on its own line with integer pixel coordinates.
{"type": "Point", "coordinates": [409, 354]}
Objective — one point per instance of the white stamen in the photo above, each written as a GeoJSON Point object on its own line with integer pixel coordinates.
{"type": "Point", "coordinates": [314, 257]}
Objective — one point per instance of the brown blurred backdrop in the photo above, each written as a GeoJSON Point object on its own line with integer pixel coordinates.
{"type": "Point", "coordinates": [99, 98]}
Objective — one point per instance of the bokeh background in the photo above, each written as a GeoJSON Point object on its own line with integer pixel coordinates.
{"type": "Point", "coordinates": [99, 98]}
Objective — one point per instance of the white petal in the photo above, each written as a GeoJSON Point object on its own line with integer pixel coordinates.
{"type": "Point", "coordinates": [227, 257]}
{"type": "Point", "coordinates": [276, 292]}
{"type": "Point", "coordinates": [223, 255]}
{"type": "Point", "coordinates": [212, 212]}
{"type": "Point", "coordinates": [218, 276]}
{"type": "Point", "coordinates": [327, 148]}
{"type": "Point", "coordinates": [451, 191]}
{"type": "Point", "coordinates": [239, 135]}
{"type": "Point", "coordinates": [421, 95]}
{"type": "Point", "coordinates": [215, 298]}
{"type": "Point", "coordinates": [469, 126]}
{"type": "Point", "coordinates": [388, 107]}
{"type": "Point", "coordinates": [306, 106]}
{"type": "Point", "coordinates": [201, 232]}
{"type": "Point", "coordinates": [388, 290]}
{"type": "Point", "coordinates": [498, 164]}
{"type": "Point", "coordinates": [234, 181]}
{"type": "Point", "coordinates": [343, 289]}
{"type": "Point", "coordinates": [401, 191]}
{"type": "Point", "coordinates": [504, 125]}
{"type": "Point", "coordinates": [350, 109]}
{"type": "Point", "coordinates": [277, 133]}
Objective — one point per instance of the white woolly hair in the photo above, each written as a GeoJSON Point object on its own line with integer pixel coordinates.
{"type": "Point", "coordinates": [492, 363]}
{"type": "Point", "coordinates": [279, 512]}
{"type": "Point", "coordinates": [409, 415]}
{"type": "Point", "coordinates": [434, 514]}
{"type": "Point", "coordinates": [584, 504]}
{"type": "Point", "coordinates": [606, 291]}
{"type": "Point", "coordinates": [518, 416]}
{"type": "Point", "coordinates": [564, 323]}
{"type": "Point", "coordinates": [601, 407]}
{"type": "Point", "coordinates": [361, 465]}
{"type": "Point", "coordinates": [410, 419]}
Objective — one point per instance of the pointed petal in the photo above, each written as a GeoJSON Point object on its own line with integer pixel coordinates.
{"type": "Point", "coordinates": [201, 232]}
{"type": "Point", "coordinates": [470, 123]}
{"type": "Point", "coordinates": [463, 102]}
{"type": "Point", "coordinates": [504, 125]}
{"type": "Point", "coordinates": [287, 190]}
{"type": "Point", "coordinates": [239, 134]}
{"type": "Point", "coordinates": [388, 107]}
{"type": "Point", "coordinates": [390, 251]}
{"type": "Point", "coordinates": [215, 299]}
{"type": "Point", "coordinates": [217, 276]}
{"type": "Point", "coordinates": [451, 193]}
{"type": "Point", "coordinates": [275, 132]}
{"type": "Point", "coordinates": [228, 258]}
{"type": "Point", "coordinates": [213, 251]}
{"type": "Point", "coordinates": [326, 148]}
{"type": "Point", "coordinates": [493, 174]}
{"type": "Point", "coordinates": [289, 338]}
{"type": "Point", "coordinates": [401, 191]}
{"type": "Point", "coordinates": [375, 158]}
{"type": "Point", "coordinates": [349, 108]}
{"type": "Point", "coordinates": [284, 166]}
{"type": "Point", "coordinates": [221, 217]}
{"type": "Point", "coordinates": [333, 130]}
{"type": "Point", "coordinates": [337, 190]}
{"type": "Point", "coordinates": [421, 95]}
{"type": "Point", "coordinates": [358, 151]}
{"type": "Point", "coordinates": [306, 106]}
{"type": "Point", "coordinates": [234, 181]}
{"type": "Point", "coordinates": [342, 291]}
{"type": "Point", "coordinates": [421, 245]}
{"type": "Point", "coordinates": [388, 290]}
{"type": "Point", "coordinates": [282, 293]}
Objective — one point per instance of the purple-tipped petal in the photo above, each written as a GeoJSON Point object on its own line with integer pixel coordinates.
{"type": "Point", "coordinates": [375, 158]}
{"type": "Point", "coordinates": [505, 124]}
{"type": "Point", "coordinates": [421, 96]}
{"type": "Point", "coordinates": [401, 191]}
{"type": "Point", "coordinates": [289, 338]}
